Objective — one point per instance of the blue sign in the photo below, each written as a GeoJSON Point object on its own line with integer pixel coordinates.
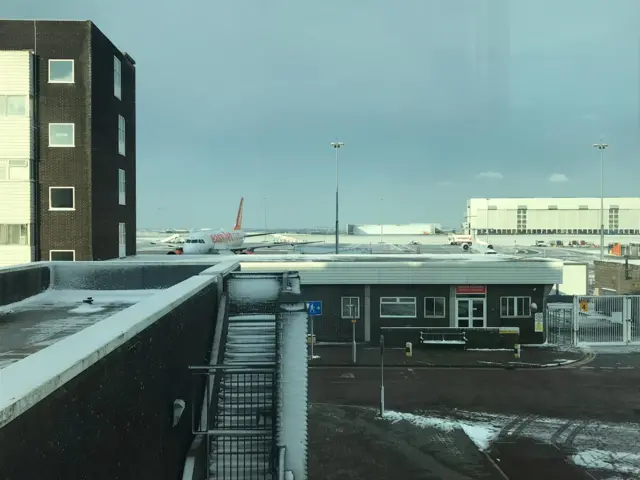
{"type": "Point", "coordinates": [314, 308]}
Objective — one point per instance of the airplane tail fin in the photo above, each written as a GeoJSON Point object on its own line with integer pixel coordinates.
{"type": "Point", "coordinates": [239, 217]}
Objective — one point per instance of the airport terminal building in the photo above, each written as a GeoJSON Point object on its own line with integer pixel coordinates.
{"type": "Point", "coordinates": [552, 216]}
{"type": "Point", "coordinates": [67, 143]}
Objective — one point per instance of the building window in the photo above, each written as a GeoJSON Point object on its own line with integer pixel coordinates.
{"type": "Point", "coordinates": [62, 198]}
{"type": "Point", "coordinates": [61, 71]}
{"type": "Point", "coordinates": [434, 306]}
{"type": "Point", "coordinates": [62, 255]}
{"type": "Point", "coordinates": [17, 170]}
{"type": "Point", "coordinates": [122, 196]}
{"type": "Point", "coordinates": [521, 224]}
{"type": "Point", "coordinates": [614, 215]}
{"type": "Point", "coordinates": [14, 234]}
{"type": "Point", "coordinates": [515, 306]}
{"type": "Point", "coordinates": [117, 78]}
{"type": "Point", "coordinates": [13, 105]}
{"type": "Point", "coordinates": [350, 307]}
{"type": "Point", "coordinates": [121, 135]}
{"type": "Point", "coordinates": [397, 307]}
{"type": "Point", "coordinates": [62, 135]}
{"type": "Point", "coordinates": [122, 240]}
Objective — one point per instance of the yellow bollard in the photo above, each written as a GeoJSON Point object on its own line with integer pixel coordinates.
{"type": "Point", "coordinates": [516, 351]}
{"type": "Point", "coordinates": [408, 349]}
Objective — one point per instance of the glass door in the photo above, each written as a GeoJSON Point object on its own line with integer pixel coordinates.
{"type": "Point", "coordinates": [470, 312]}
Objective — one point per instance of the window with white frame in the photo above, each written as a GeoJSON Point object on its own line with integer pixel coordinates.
{"type": "Point", "coordinates": [397, 307]}
{"type": "Point", "coordinates": [122, 233]}
{"type": "Point", "coordinates": [61, 71]}
{"type": "Point", "coordinates": [434, 306]}
{"type": "Point", "coordinates": [14, 234]}
{"type": "Point", "coordinates": [350, 307]}
{"type": "Point", "coordinates": [14, 105]}
{"type": "Point", "coordinates": [121, 135]}
{"type": "Point", "coordinates": [515, 306]}
{"type": "Point", "coordinates": [62, 135]}
{"type": "Point", "coordinates": [62, 255]}
{"type": "Point", "coordinates": [122, 196]}
{"type": "Point", "coordinates": [117, 78]}
{"type": "Point", "coordinates": [62, 198]}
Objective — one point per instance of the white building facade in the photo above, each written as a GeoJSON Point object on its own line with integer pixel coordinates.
{"type": "Point", "coordinates": [394, 229]}
{"type": "Point", "coordinates": [16, 157]}
{"type": "Point", "coordinates": [552, 216]}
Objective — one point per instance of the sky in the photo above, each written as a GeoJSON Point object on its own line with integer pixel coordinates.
{"type": "Point", "coordinates": [436, 101]}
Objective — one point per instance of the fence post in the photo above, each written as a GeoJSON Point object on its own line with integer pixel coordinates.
{"type": "Point", "coordinates": [575, 320]}
{"type": "Point", "coordinates": [626, 319]}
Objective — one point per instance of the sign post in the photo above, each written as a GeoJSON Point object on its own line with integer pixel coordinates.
{"type": "Point", "coordinates": [314, 309]}
{"type": "Point", "coordinates": [382, 375]}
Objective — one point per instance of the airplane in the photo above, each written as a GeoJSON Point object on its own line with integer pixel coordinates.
{"type": "Point", "coordinates": [205, 242]}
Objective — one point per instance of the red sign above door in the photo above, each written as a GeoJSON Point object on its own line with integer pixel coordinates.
{"type": "Point", "coordinates": [474, 289]}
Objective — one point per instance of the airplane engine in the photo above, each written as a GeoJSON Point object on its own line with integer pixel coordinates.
{"type": "Point", "coordinates": [465, 246]}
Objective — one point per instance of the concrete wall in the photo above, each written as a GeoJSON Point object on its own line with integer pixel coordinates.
{"type": "Point", "coordinates": [120, 276]}
{"type": "Point", "coordinates": [114, 419]}
{"type": "Point", "coordinates": [624, 280]}
{"type": "Point", "coordinates": [16, 284]}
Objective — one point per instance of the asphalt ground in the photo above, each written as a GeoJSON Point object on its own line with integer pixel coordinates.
{"type": "Point", "coordinates": [545, 416]}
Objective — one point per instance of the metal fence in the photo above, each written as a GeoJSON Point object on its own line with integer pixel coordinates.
{"type": "Point", "coordinates": [595, 320]}
{"type": "Point", "coordinates": [239, 422]}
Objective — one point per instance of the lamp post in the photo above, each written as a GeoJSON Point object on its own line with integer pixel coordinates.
{"type": "Point", "coordinates": [336, 146]}
{"type": "Point", "coordinates": [601, 147]}
{"type": "Point", "coordinates": [265, 214]}
{"type": "Point", "coordinates": [381, 223]}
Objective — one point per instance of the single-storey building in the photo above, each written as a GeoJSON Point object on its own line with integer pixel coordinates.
{"type": "Point", "coordinates": [460, 291]}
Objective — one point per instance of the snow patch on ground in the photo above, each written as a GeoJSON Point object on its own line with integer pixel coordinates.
{"type": "Point", "coordinates": [480, 433]}
{"type": "Point", "coordinates": [623, 463]}
{"type": "Point", "coordinates": [254, 289]}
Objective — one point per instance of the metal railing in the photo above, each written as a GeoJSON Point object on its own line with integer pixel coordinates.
{"type": "Point", "coordinates": [240, 421]}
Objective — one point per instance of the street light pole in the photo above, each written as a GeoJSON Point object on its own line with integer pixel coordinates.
{"type": "Point", "coordinates": [337, 146]}
{"type": "Point", "coordinates": [601, 147]}
{"type": "Point", "coordinates": [265, 214]}
{"type": "Point", "coordinates": [381, 223]}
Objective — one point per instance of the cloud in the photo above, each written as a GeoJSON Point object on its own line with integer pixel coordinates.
{"type": "Point", "coordinates": [445, 183]}
{"type": "Point", "coordinates": [558, 178]}
{"type": "Point", "coordinates": [496, 175]}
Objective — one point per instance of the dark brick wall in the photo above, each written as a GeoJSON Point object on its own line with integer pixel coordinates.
{"type": "Point", "coordinates": [92, 165]}
{"type": "Point", "coordinates": [20, 284]}
{"type": "Point", "coordinates": [330, 327]}
{"type": "Point", "coordinates": [113, 421]}
{"type": "Point", "coordinates": [106, 161]}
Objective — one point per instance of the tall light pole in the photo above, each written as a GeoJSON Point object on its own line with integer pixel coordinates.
{"type": "Point", "coordinates": [336, 146]}
{"type": "Point", "coordinates": [265, 214]}
{"type": "Point", "coordinates": [381, 222]}
{"type": "Point", "coordinates": [601, 147]}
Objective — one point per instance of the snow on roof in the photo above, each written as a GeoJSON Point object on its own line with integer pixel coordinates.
{"type": "Point", "coordinates": [447, 258]}
{"type": "Point", "coordinates": [44, 319]}
{"type": "Point", "coordinates": [26, 382]}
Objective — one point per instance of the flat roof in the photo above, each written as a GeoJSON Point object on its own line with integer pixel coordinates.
{"type": "Point", "coordinates": [44, 319]}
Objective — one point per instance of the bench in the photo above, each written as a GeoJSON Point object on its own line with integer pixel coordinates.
{"type": "Point", "coordinates": [443, 338]}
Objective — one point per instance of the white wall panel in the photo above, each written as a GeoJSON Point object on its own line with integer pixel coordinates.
{"type": "Point", "coordinates": [14, 255]}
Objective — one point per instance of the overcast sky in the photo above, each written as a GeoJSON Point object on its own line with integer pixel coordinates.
{"type": "Point", "coordinates": [436, 101]}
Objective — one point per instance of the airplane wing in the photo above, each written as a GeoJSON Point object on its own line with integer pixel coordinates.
{"type": "Point", "coordinates": [249, 249]}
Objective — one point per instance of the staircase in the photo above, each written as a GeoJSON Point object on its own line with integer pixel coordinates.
{"type": "Point", "coordinates": [242, 443]}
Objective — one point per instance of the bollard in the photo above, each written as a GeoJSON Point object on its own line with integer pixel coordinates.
{"type": "Point", "coordinates": [408, 349]}
{"type": "Point", "coordinates": [516, 351]}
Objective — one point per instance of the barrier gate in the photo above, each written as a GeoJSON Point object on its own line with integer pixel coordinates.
{"type": "Point", "coordinates": [595, 320]}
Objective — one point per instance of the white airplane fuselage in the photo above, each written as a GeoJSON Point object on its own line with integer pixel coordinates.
{"type": "Point", "coordinates": [208, 242]}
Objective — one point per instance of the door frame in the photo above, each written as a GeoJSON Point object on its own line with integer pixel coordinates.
{"type": "Point", "coordinates": [470, 318]}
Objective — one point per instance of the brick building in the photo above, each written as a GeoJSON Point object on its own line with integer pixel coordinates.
{"type": "Point", "coordinates": [67, 143]}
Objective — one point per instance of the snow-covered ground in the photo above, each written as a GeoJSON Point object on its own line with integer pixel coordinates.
{"type": "Point", "coordinates": [611, 447]}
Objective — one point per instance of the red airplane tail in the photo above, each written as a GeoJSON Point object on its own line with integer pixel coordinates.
{"type": "Point", "coordinates": [239, 217]}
